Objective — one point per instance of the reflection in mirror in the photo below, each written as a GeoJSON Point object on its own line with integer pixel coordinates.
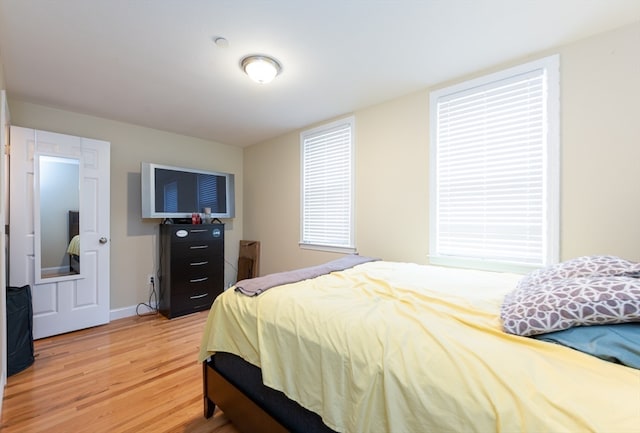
{"type": "Point", "coordinates": [59, 194]}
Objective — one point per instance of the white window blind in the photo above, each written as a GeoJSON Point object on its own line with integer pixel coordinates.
{"type": "Point", "coordinates": [171, 197]}
{"type": "Point", "coordinates": [327, 190]}
{"type": "Point", "coordinates": [494, 169]}
{"type": "Point", "coordinates": [208, 192]}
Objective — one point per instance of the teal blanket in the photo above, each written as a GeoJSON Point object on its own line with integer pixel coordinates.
{"type": "Point", "coordinates": [619, 343]}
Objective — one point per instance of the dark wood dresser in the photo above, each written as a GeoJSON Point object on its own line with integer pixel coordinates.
{"type": "Point", "coordinates": [191, 267]}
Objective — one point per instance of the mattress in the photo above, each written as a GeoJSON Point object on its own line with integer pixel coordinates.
{"type": "Point", "coordinates": [402, 347]}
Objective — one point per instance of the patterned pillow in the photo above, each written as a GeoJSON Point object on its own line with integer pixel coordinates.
{"type": "Point", "coordinates": [585, 291]}
{"type": "Point", "coordinates": [587, 266]}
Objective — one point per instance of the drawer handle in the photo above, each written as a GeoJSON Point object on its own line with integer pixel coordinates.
{"type": "Point", "coordinates": [198, 280]}
{"type": "Point", "coordinates": [198, 263]}
{"type": "Point", "coordinates": [199, 296]}
{"type": "Point", "coordinates": [198, 230]}
{"type": "Point", "coordinates": [199, 247]}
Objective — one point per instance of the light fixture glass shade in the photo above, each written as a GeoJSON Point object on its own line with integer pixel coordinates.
{"type": "Point", "coordinates": [261, 69]}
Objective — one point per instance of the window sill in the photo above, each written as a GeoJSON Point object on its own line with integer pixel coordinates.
{"type": "Point", "coordinates": [328, 248]}
{"type": "Point", "coordinates": [482, 265]}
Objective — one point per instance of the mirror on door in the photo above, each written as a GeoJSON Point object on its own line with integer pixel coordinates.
{"type": "Point", "coordinates": [57, 218]}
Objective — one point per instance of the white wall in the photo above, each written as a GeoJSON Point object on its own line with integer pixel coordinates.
{"type": "Point", "coordinates": [600, 179]}
{"type": "Point", "coordinates": [134, 241]}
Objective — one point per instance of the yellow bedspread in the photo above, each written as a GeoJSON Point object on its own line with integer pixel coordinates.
{"type": "Point", "coordinates": [398, 347]}
{"type": "Point", "coordinates": [74, 246]}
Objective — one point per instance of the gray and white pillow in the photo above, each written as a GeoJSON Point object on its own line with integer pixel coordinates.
{"type": "Point", "coordinates": [587, 266]}
{"type": "Point", "coordinates": [590, 290]}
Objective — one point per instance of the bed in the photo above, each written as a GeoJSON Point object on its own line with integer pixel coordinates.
{"type": "Point", "coordinates": [400, 347]}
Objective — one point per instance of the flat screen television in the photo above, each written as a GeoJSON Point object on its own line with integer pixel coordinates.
{"type": "Point", "coordinates": [174, 192]}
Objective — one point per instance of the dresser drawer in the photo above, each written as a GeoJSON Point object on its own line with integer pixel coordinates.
{"type": "Point", "coordinates": [195, 233]}
{"type": "Point", "coordinates": [194, 265]}
{"type": "Point", "coordinates": [198, 281]}
{"type": "Point", "coordinates": [181, 305]}
{"type": "Point", "coordinates": [197, 249]}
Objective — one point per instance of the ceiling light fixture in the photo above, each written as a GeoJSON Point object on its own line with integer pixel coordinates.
{"type": "Point", "coordinates": [261, 69]}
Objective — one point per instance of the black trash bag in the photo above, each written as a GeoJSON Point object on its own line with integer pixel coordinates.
{"type": "Point", "coordinates": [19, 329]}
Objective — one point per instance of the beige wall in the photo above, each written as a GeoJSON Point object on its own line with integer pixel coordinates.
{"type": "Point", "coordinates": [2, 83]}
{"type": "Point", "coordinates": [600, 129]}
{"type": "Point", "coordinates": [601, 145]}
{"type": "Point", "coordinates": [134, 241]}
{"type": "Point", "coordinates": [600, 175]}
{"type": "Point", "coordinates": [274, 195]}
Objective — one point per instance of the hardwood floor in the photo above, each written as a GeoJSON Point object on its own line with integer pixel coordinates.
{"type": "Point", "coordinates": [138, 374]}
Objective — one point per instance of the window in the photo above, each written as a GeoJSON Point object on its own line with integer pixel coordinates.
{"type": "Point", "coordinates": [495, 170]}
{"type": "Point", "coordinates": [327, 187]}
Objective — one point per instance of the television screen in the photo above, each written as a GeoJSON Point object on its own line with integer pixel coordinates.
{"type": "Point", "coordinates": [172, 192]}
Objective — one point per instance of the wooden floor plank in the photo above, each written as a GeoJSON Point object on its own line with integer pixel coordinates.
{"type": "Point", "coordinates": [138, 374]}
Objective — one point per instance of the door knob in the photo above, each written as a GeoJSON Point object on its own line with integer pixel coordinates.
{"type": "Point", "coordinates": [103, 240]}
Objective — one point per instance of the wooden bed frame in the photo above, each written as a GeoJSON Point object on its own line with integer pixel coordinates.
{"type": "Point", "coordinates": [236, 387]}
{"type": "Point", "coordinates": [246, 415]}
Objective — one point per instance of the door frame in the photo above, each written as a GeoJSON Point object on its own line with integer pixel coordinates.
{"type": "Point", "coordinates": [4, 150]}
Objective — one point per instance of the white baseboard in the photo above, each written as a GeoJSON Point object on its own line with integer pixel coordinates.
{"type": "Point", "coordinates": [121, 313]}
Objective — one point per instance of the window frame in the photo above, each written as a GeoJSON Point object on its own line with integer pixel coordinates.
{"type": "Point", "coordinates": [551, 167]}
{"type": "Point", "coordinates": [347, 122]}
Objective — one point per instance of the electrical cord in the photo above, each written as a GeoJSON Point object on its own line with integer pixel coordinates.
{"type": "Point", "coordinates": [151, 306]}
{"type": "Point", "coordinates": [235, 271]}
{"type": "Point", "coordinates": [230, 265]}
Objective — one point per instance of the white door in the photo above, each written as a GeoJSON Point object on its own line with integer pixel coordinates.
{"type": "Point", "coordinates": [61, 303]}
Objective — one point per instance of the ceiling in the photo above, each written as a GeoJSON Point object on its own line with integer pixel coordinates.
{"type": "Point", "coordinates": [153, 62]}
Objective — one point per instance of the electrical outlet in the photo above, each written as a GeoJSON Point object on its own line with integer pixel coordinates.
{"type": "Point", "coordinates": [150, 279]}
